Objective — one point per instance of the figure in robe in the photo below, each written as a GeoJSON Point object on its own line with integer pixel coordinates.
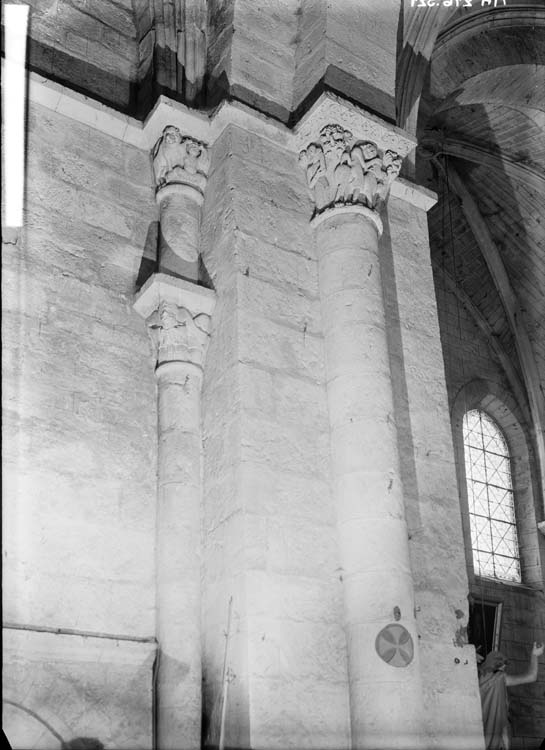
{"type": "Point", "coordinates": [176, 334]}
{"type": "Point", "coordinates": [493, 684]}
{"type": "Point", "coordinates": [168, 153]}
{"type": "Point", "coordinates": [367, 169]}
{"type": "Point", "coordinates": [178, 158]}
{"type": "Point", "coordinates": [313, 162]}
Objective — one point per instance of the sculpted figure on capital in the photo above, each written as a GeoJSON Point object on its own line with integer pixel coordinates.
{"type": "Point", "coordinates": [179, 159]}
{"type": "Point", "coordinates": [177, 335]}
{"type": "Point", "coordinates": [341, 170]}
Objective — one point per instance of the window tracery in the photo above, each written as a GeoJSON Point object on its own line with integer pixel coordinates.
{"type": "Point", "coordinates": [494, 539]}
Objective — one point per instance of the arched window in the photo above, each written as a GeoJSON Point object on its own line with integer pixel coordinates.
{"type": "Point", "coordinates": [490, 497]}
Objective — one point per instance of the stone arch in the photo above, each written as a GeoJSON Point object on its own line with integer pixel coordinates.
{"type": "Point", "coordinates": [25, 727]}
{"type": "Point", "coordinates": [500, 405]}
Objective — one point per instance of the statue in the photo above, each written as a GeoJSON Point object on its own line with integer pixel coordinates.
{"type": "Point", "coordinates": [391, 164]}
{"type": "Point", "coordinates": [367, 168]}
{"type": "Point", "coordinates": [335, 142]}
{"type": "Point", "coordinates": [313, 162]}
{"type": "Point", "coordinates": [179, 159]}
{"type": "Point", "coordinates": [493, 684]}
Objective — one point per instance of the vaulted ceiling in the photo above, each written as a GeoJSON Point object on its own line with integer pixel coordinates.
{"type": "Point", "coordinates": [481, 128]}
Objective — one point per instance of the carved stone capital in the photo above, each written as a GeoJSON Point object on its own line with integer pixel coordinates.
{"type": "Point", "coordinates": [177, 336]}
{"type": "Point", "coordinates": [349, 156]}
{"type": "Point", "coordinates": [342, 170]}
{"type": "Point", "coordinates": [330, 108]}
{"type": "Point", "coordinates": [179, 160]}
{"type": "Point", "coordinates": [177, 314]}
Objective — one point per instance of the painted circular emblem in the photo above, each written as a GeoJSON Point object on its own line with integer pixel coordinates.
{"type": "Point", "coordinates": [395, 646]}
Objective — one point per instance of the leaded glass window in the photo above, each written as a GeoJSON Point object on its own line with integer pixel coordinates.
{"type": "Point", "coordinates": [490, 497]}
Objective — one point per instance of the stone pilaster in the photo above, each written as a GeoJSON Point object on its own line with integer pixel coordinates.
{"type": "Point", "coordinates": [350, 164]}
{"type": "Point", "coordinates": [177, 313]}
{"type": "Point", "coordinates": [180, 165]}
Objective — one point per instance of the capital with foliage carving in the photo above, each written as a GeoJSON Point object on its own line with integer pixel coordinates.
{"type": "Point", "coordinates": [342, 170]}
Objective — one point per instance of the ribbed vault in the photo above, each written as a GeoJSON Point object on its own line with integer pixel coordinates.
{"type": "Point", "coordinates": [482, 125]}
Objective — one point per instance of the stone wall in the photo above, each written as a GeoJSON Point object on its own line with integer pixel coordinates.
{"type": "Point", "coordinates": [79, 430]}
{"type": "Point", "coordinates": [469, 359]}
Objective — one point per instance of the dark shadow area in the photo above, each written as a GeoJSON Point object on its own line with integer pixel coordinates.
{"type": "Point", "coordinates": [151, 262]}
{"type": "Point", "coordinates": [204, 277]}
{"type": "Point", "coordinates": [484, 625]}
{"type": "Point", "coordinates": [83, 743]}
{"type": "Point", "coordinates": [404, 432]}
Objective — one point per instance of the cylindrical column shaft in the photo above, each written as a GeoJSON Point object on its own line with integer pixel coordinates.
{"type": "Point", "coordinates": [385, 700]}
{"type": "Point", "coordinates": [180, 166]}
{"type": "Point", "coordinates": [180, 214]}
{"type": "Point", "coordinates": [178, 556]}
